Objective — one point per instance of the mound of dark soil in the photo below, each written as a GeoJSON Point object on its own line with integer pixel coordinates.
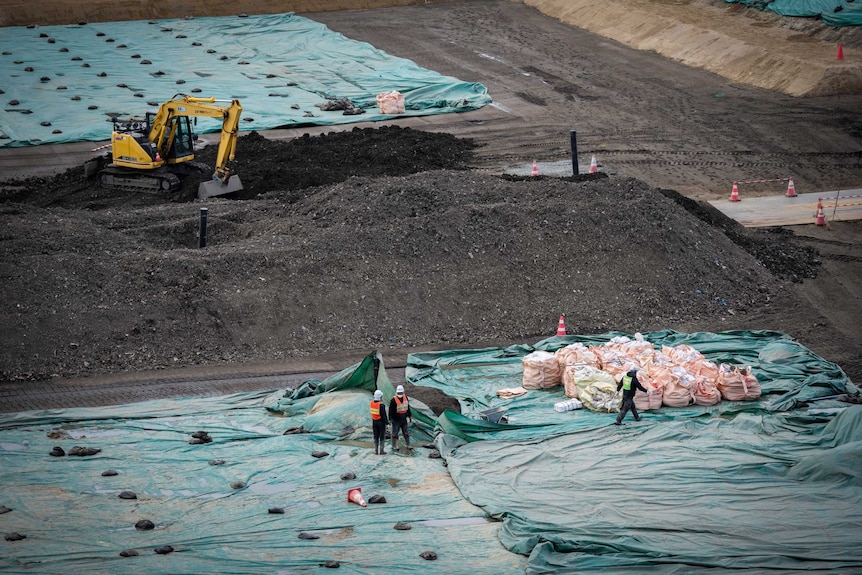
{"type": "Point", "coordinates": [376, 260]}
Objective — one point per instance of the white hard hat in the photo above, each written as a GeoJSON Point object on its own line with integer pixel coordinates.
{"type": "Point", "coordinates": [378, 395]}
{"type": "Point", "coordinates": [399, 389]}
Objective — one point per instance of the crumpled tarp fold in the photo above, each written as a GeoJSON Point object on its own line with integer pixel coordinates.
{"type": "Point", "coordinates": [770, 485]}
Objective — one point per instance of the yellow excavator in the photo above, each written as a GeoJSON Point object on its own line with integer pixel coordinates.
{"type": "Point", "coordinates": [152, 155]}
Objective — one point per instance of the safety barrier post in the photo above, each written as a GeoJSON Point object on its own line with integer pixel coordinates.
{"type": "Point", "coordinates": [202, 243]}
{"type": "Point", "coordinates": [573, 137]}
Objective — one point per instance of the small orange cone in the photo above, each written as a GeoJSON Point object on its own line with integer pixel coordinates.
{"type": "Point", "coordinates": [819, 218]}
{"type": "Point", "coordinates": [355, 496]}
{"type": "Point", "coordinates": [734, 193]}
{"type": "Point", "coordinates": [158, 157]}
{"type": "Point", "coordinates": [840, 55]}
{"type": "Point", "coordinates": [561, 327]}
{"type": "Point", "coordinates": [594, 167]}
{"type": "Point", "coordinates": [791, 189]}
{"type": "Point", "coordinates": [535, 171]}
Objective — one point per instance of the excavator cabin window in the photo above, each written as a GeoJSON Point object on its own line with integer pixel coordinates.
{"type": "Point", "coordinates": [182, 145]}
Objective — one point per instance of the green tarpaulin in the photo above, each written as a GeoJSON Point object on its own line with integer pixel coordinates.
{"type": "Point", "coordinates": [832, 12]}
{"type": "Point", "coordinates": [771, 485]}
{"type": "Point", "coordinates": [63, 83]}
{"type": "Point", "coordinates": [75, 522]}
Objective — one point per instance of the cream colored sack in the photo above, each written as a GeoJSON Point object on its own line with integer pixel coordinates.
{"type": "Point", "coordinates": [737, 384]}
{"type": "Point", "coordinates": [391, 102]}
{"type": "Point", "coordinates": [541, 370]}
{"type": "Point", "coordinates": [579, 376]}
{"type": "Point", "coordinates": [600, 396]}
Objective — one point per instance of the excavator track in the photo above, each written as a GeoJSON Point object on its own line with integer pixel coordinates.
{"type": "Point", "coordinates": [159, 181]}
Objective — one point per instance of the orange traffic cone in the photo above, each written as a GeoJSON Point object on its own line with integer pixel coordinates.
{"type": "Point", "coordinates": [355, 496]}
{"type": "Point", "coordinates": [535, 171]}
{"type": "Point", "coordinates": [734, 193]}
{"type": "Point", "coordinates": [561, 327]}
{"type": "Point", "coordinates": [594, 167]}
{"type": "Point", "coordinates": [819, 218]}
{"type": "Point", "coordinates": [791, 189]}
{"type": "Point", "coordinates": [840, 55]}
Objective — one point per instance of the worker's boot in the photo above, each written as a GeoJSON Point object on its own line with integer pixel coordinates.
{"type": "Point", "coordinates": [376, 449]}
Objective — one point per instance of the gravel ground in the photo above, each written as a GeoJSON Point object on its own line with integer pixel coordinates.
{"type": "Point", "coordinates": [366, 239]}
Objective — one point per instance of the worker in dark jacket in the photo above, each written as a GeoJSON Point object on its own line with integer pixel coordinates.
{"type": "Point", "coordinates": [629, 384]}
{"type": "Point", "coordinates": [379, 423]}
{"type": "Point", "coordinates": [401, 417]}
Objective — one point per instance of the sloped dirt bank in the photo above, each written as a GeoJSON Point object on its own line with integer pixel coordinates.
{"type": "Point", "coordinates": [738, 43]}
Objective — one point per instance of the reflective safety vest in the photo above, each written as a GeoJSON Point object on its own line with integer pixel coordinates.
{"type": "Point", "coordinates": [401, 405]}
{"type": "Point", "coordinates": [627, 382]}
{"type": "Point", "coordinates": [375, 409]}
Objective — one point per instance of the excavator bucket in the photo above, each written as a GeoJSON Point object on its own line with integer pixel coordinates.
{"type": "Point", "coordinates": [217, 188]}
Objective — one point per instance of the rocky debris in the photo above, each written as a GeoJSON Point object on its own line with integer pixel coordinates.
{"type": "Point", "coordinates": [84, 451]}
{"type": "Point", "coordinates": [129, 553]}
{"type": "Point", "coordinates": [319, 454]}
{"type": "Point", "coordinates": [128, 495]}
{"type": "Point", "coordinates": [145, 525]}
{"type": "Point", "coordinates": [346, 104]}
{"type": "Point", "coordinates": [217, 462]}
{"type": "Point", "coordinates": [330, 564]}
{"type": "Point", "coordinates": [347, 430]}
{"type": "Point", "coordinates": [309, 536]}
{"type": "Point", "coordinates": [200, 437]}
{"type": "Point", "coordinates": [434, 454]}
{"type": "Point", "coordinates": [14, 536]}
{"type": "Point", "coordinates": [348, 475]}
{"type": "Point", "coordinates": [237, 484]}
{"type": "Point", "coordinates": [276, 510]}
{"type": "Point", "coordinates": [164, 549]}
{"type": "Point", "coordinates": [376, 499]}
{"type": "Point", "coordinates": [57, 451]}
{"type": "Point", "coordinates": [294, 431]}
{"type": "Point", "coordinates": [4, 509]}
{"type": "Point", "coordinates": [109, 473]}
{"type": "Point", "coordinates": [402, 526]}
{"type": "Point", "coordinates": [428, 555]}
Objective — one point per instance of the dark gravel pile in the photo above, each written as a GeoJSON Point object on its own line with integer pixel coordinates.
{"type": "Point", "coordinates": [357, 254]}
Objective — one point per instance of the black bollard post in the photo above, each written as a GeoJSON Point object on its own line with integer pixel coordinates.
{"type": "Point", "coordinates": [203, 229]}
{"type": "Point", "coordinates": [573, 136]}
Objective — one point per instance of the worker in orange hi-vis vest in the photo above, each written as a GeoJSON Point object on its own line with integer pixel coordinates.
{"type": "Point", "coordinates": [379, 423]}
{"type": "Point", "coordinates": [401, 417]}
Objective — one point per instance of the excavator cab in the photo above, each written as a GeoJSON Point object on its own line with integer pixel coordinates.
{"type": "Point", "coordinates": [181, 137]}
